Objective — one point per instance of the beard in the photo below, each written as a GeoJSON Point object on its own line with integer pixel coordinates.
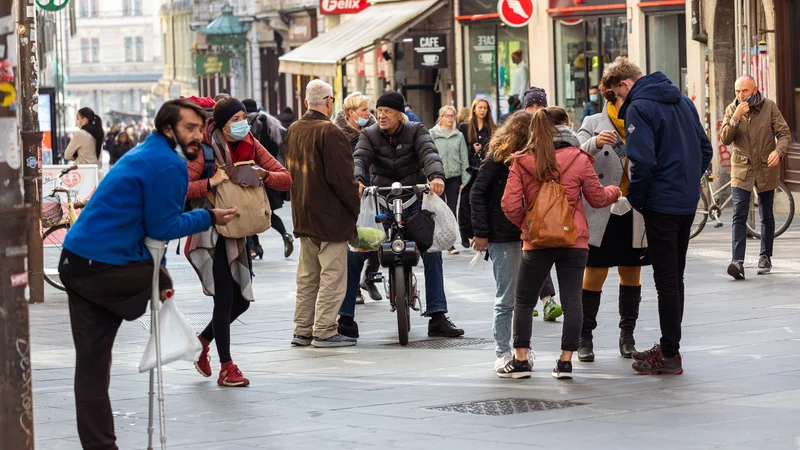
{"type": "Point", "coordinates": [192, 149]}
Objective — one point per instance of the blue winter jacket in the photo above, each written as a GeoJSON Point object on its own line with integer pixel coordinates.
{"type": "Point", "coordinates": [143, 195]}
{"type": "Point", "coordinates": [667, 147]}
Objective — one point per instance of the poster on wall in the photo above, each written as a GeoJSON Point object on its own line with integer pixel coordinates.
{"type": "Point", "coordinates": [45, 126]}
{"type": "Point", "coordinates": [430, 52]}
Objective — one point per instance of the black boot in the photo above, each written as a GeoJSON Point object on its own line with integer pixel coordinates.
{"type": "Point", "coordinates": [591, 304]}
{"type": "Point", "coordinates": [288, 245]}
{"type": "Point", "coordinates": [629, 299]}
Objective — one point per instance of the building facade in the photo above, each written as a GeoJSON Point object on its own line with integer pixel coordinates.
{"type": "Point", "coordinates": [177, 39]}
{"type": "Point", "coordinates": [115, 59]}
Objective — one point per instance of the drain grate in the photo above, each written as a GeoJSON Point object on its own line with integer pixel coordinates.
{"type": "Point", "coordinates": [505, 406]}
{"type": "Point", "coordinates": [445, 343]}
{"type": "Point", "coordinates": [196, 320]}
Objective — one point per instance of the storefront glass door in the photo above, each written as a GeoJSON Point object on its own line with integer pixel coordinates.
{"type": "Point", "coordinates": [583, 50]}
{"type": "Point", "coordinates": [496, 64]}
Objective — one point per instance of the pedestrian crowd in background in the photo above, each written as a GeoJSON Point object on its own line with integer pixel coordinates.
{"type": "Point", "coordinates": [528, 195]}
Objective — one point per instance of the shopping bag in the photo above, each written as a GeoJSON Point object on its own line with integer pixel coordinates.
{"type": "Point", "coordinates": [369, 234]}
{"type": "Point", "coordinates": [445, 231]}
{"type": "Point", "coordinates": [478, 263]}
{"type": "Point", "coordinates": [178, 341]}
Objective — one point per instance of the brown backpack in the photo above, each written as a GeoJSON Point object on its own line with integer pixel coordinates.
{"type": "Point", "coordinates": [550, 217]}
{"type": "Point", "coordinates": [245, 190]}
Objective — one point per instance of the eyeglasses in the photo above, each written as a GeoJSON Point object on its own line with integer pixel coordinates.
{"type": "Point", "coordinates": [333, 99]}
{"type": "Point", "coordinates": [449, 116]}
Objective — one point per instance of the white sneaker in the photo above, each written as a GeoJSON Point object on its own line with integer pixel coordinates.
{"type": "Point", "coordinates": [502, 360]}
{"type": "Point", "coordinates": [531, 357]}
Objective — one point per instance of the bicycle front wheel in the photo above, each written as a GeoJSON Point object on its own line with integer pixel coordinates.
{"type": "Point", "coordinates": [400, 289]}
{"type": "Point", "coordinates": [700, 216]}
{"type": "Point", "coordinates": [53, 238]}
{"type": "Point", "coordinates": [782, 209]}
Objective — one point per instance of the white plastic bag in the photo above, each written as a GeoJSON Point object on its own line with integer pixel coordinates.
{"type": "Point", "coordinates": [178, 341]}
{"type": "Point", "coordinates": [621, 207]}
{"type": "Point", "coordinates": [445, 231]}
{"type": "Point", "coordinates": [478, 262]}
{"type": "Point", "coordinates": [369, 234]}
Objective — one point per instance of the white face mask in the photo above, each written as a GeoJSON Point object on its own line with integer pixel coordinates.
{"type": "Point", "coordinates": [180, 153]}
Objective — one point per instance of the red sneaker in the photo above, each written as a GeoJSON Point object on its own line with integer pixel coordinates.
{"type": "Point", "coordinates": [203, 363]}
{"type": "Point", "coordinates": [232, 376]}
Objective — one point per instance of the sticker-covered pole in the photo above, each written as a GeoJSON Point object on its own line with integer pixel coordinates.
{"type": "Point", "coordinates": [28, 101]}
{"type": "Point", "coordinates": [16, 397]}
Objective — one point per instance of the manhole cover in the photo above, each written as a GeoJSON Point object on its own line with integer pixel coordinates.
{"type": "Point", "coordinates": [196, 320]}
{"type": "Point", "coordinates": [445, 343]}
{"type": "Point", "coordinates": [505, 406]}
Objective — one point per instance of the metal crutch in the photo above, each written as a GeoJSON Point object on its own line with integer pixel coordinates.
{"type": "Point", "coordinates": [156, 249]}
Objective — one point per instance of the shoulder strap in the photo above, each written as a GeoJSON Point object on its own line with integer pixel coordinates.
{"type": "Point", "coordinates": [208, 161]}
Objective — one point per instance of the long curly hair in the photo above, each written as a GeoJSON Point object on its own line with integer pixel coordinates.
{"type": "Point", "coordinates": [542, 130]}
{"type": "Point", "coordinates": [511, 137]}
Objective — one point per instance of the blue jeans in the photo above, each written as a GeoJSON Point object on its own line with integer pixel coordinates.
{"type": "Point", "coordinates": [435, 298]}
{"type": "Point", "coordinates": [741, 209]}
{"type": "Point", "coordinates": [505, 258]}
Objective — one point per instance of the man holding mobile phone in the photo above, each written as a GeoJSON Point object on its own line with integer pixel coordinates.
{"type": "Point", "coordinates": [760, 138]}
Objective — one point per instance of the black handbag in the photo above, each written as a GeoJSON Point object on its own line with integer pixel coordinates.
{"type": "Point", "coordinates": [419, 228]}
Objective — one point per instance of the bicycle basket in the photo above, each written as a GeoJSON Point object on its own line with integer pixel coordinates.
{"type": "Point", "coordinates": [52, 211]}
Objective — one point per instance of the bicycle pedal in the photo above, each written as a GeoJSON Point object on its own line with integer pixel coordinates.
{"type": "Point", "coordinates": [718, 225]}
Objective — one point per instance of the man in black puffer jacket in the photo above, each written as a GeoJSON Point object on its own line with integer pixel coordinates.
{"type": "Point", "coordinates": [396, 150]}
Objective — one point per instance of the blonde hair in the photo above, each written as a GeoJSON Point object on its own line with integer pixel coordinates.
{"type": "Point", "coordinates": [354, 101]}
{"type": "Point", "coordinates": [463, 115]}
{"type": "Point", "coordinates": [443, 110]}
{"type": "Point", "coordinates": [621, 69]}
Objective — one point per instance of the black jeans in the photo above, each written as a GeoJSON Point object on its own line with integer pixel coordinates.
{"type": "Point", "coordinates": [741, 209]}
{"type": "Point", "coordinates": [100, 297]}
{"type": "Point", "coordinates": [229, 304]}
{"type": "Point", "coordinates": [452, 186]}
{"type": "Point", "coordinates": [668, 240]}
{"type": "Point", "coordinates": [534, 272]}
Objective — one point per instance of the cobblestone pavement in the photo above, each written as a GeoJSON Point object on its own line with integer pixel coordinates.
{"type": "Point", "coordinates": [740, 389]}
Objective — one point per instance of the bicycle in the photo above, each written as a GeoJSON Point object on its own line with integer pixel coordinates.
{"type": "Point", "coordinates": [57, 225]}
{"type": "Point", "coordinates": [783, 208]}
{"type": "Point", "coordinates": [398, 254]}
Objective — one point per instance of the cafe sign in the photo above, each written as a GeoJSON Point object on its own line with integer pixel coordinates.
{"type": "Point", "coordinates": [212, 65]}
{"type": "Point", "coordinates": [430, 51]}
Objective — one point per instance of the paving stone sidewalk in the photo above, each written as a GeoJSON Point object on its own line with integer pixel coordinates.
{"type": "Point", "coordinates": [740, 389]}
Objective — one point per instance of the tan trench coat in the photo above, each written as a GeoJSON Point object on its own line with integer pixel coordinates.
{"type": "Point", "coordinates": [760, 132]}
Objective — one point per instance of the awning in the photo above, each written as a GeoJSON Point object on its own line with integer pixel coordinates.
{"type": "Point", "coordinates": [322, 55]}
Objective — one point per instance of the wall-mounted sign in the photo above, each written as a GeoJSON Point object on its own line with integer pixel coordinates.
{"type": "Point", "coordinates": [515, 13]}
{"type": "Point", "coordinates": [342, 6]}
{"type": "Point", "coordinates": [52, 5]}
{"type": "Point", "coordinates": [430, 52]}
{"type": "Point", "coordinates": [212, 64]}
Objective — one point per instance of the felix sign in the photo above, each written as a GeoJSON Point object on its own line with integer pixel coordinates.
{"type": "Point", "coordinates": [342, 6]}
{"type": "Point", "coordinates": [515, 13]}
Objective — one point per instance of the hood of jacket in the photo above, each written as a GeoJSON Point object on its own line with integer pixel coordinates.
{"type": "Point", "coordinates": [440, 131]}
{"type": "Point", "coordinates": [655, 87]}
{"type": "Point", "coordinates": [350, 132]}
{"type": "Point", "coordinates": [566, 137]}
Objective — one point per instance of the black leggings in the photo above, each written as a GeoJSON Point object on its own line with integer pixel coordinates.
{"type": "Point", "coordinates": [229, 304]}
{"type": "Point", "coordinates": [277, 225]}
{"type": "Point", "coordinates": [534, 270]}
{"type": "Point", "coordinates": [452, 186]}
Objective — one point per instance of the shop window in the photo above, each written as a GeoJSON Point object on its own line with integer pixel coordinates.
{"type": "Point", "coordinates": [666, 47]}
{"type": "Point", "coordinates": [496, 64]}
{"type": "Point", "coordinates": [795, 69]}
{"type": "Point", "coordinates": [583, 50]}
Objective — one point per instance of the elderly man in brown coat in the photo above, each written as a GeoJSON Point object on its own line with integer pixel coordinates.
{"type": "Point", "coordinates": [760, 138]}
{"type": "Point", "coordinates": [325, 206]}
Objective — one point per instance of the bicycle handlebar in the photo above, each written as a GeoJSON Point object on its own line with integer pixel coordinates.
{"type": "Point", "coordinates": [69, 169]}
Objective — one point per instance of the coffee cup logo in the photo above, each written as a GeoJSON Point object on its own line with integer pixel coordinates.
{"type": "Point", "coordinates": [431, 60]}
{"type": "Point", "coordinates": [485, 58]}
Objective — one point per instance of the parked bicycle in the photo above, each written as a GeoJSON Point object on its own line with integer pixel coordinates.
{"type": "Point", "coordinates": [56, 224]}
{"type": "Point", "coordinates": [783, 207]}
{"type": "Point", "coordinates": [399, 254]}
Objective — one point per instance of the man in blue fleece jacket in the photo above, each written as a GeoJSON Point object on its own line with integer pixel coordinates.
{"type": "Point", "coordinates": [668, 152]}
{"type": "Point", "coordinates": [105, 265]}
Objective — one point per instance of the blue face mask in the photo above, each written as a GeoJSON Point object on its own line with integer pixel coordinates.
{"type": "Point", "coordinates": [752, 99]}
{"type": "Point", "coordinates": [361, 122]}
{"type": "Point", "coordinates": [593, 97]}
{"type": "Point", "coordinates": [239, 130]}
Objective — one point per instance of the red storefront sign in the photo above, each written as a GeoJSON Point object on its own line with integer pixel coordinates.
{"type": "Point", "coordinates": [515, 13]}
{"type": "Point", "coordinates": [342, 6]}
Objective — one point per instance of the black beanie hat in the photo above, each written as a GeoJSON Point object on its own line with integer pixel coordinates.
{"type": "Point", "coordinates": [222, 116]}
{"type": "Point", "coordinates": [250, 105]}
{"type": "Point", "coordinates": [391, 99]}
{"type": "Point", "coordinates": [535, 96]}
